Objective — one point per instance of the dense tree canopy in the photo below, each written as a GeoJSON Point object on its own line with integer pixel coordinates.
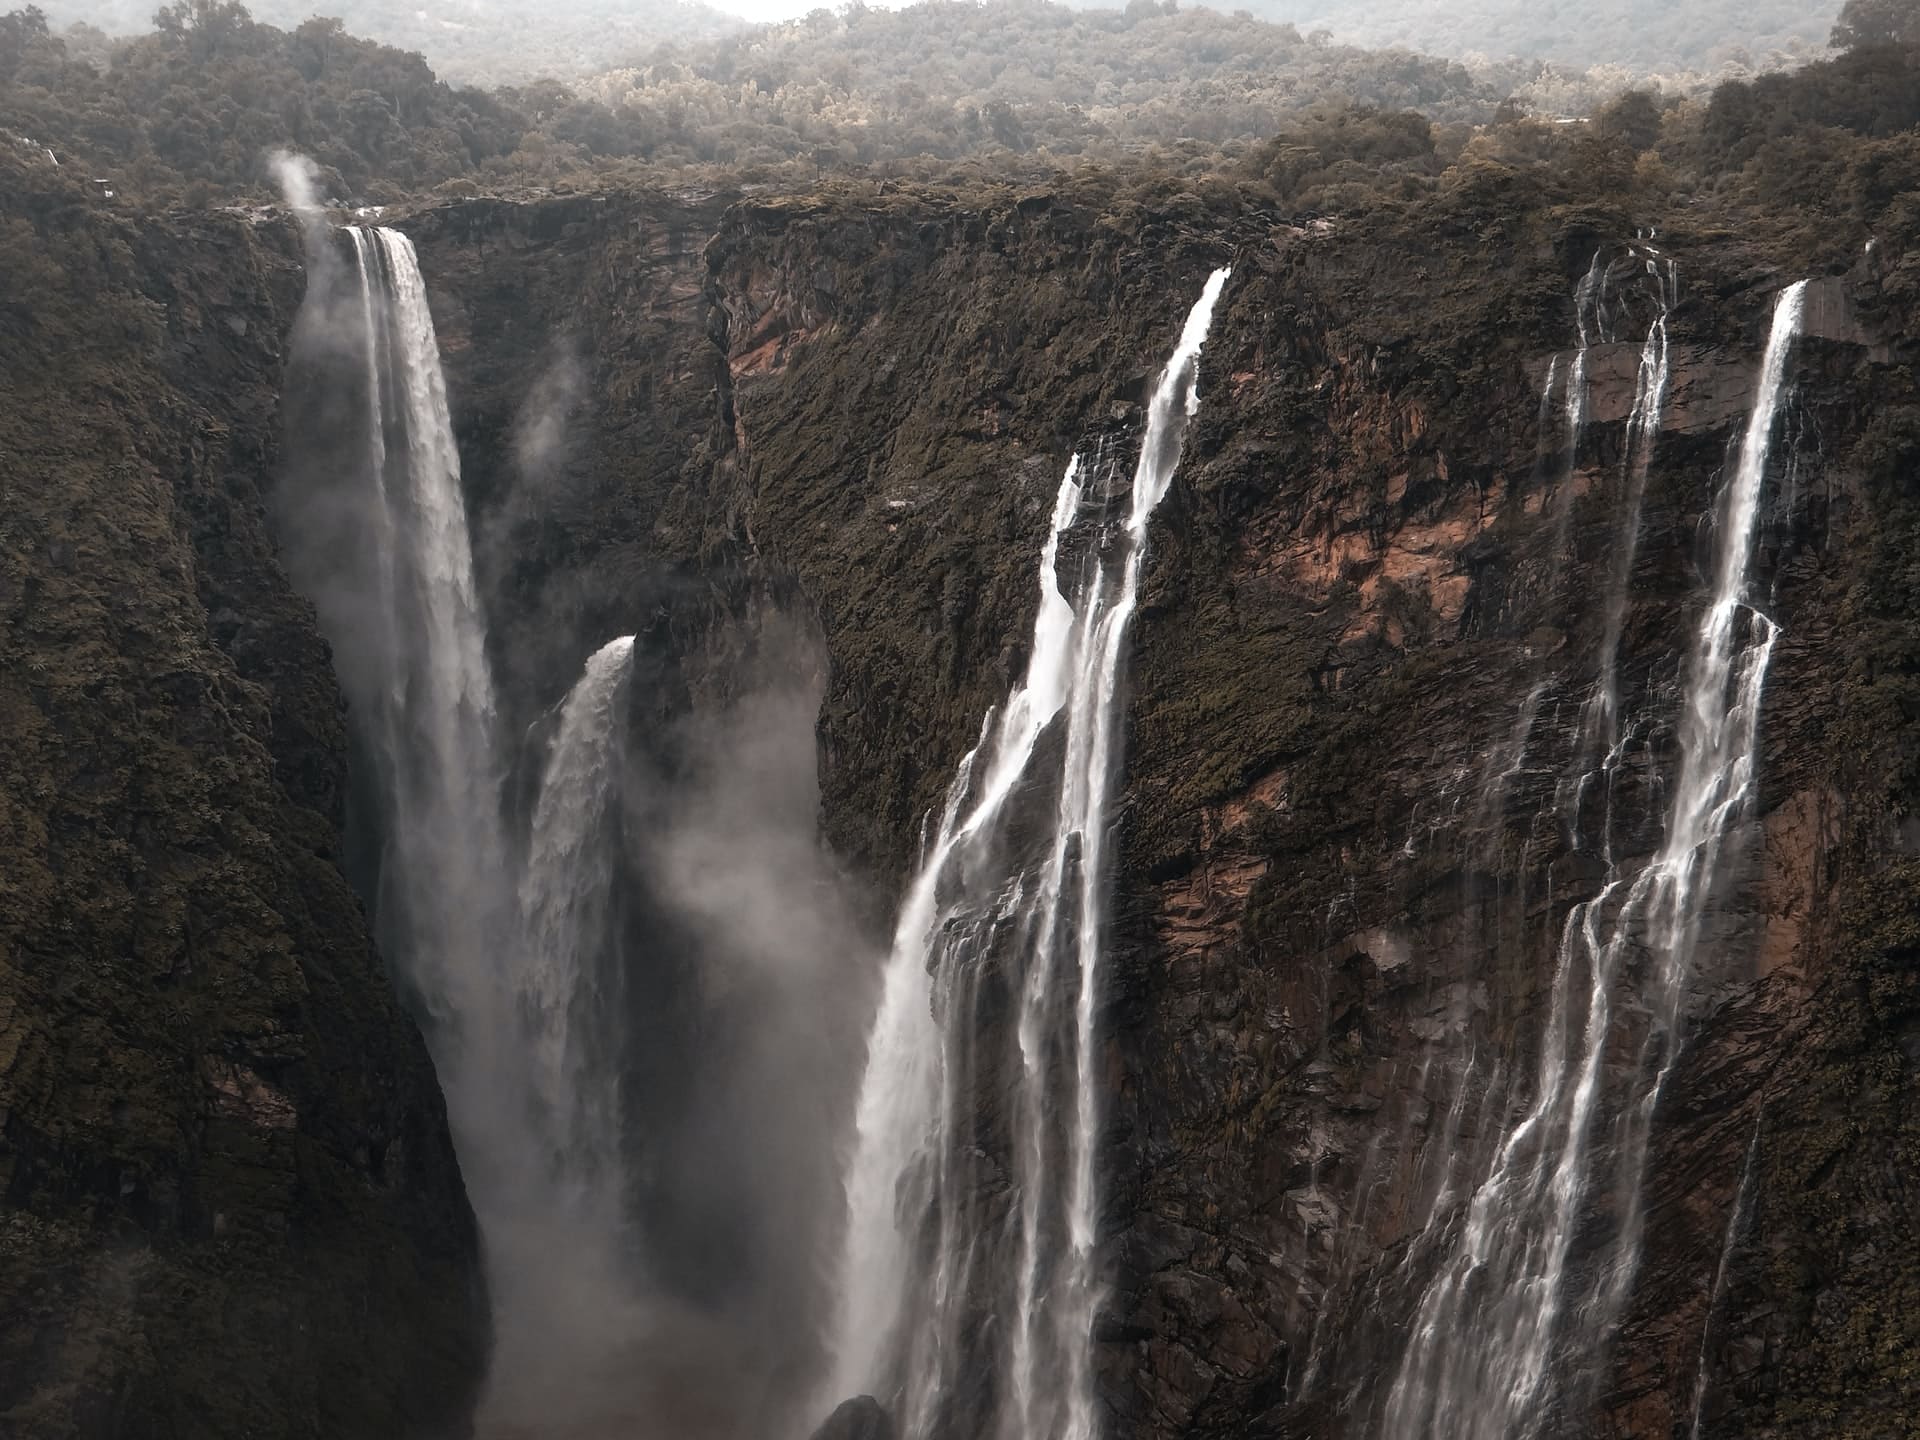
{"type": "Point", "coordinates": [473, 42]}
{"type": "Point", "coordinates": [1877, 22]}
{"type": "Point", "coordinates": [1011, 88]}
{"type": "Point", "coordinates": [202, 99]}
{"type": "Point", "coordinates": [950, 79]}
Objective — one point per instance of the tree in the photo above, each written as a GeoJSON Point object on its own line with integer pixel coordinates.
{"type": "Point", "coordinates": [1633, 118]}
{"type": "Point", "coordinates": [1877, 22]}
{"type": "Point", "coordinates": [21, 34]}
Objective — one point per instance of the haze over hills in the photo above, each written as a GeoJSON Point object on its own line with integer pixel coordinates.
{"type": "Point", "coordinates": [191, 109]}
{"type": "Point", "coordinates": [1650, 35]}
{"type": "Point", "coordinates": [468, 42]}
{"type": "Point", "coordinates": [493, 42]}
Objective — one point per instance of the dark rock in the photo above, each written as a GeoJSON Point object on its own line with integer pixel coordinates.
{"type": "Point", "coordinates": [229, 1204]}
{"type": "Point", "coordinates": [860, 1418]}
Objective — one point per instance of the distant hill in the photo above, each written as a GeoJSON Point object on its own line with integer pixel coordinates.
{"type": "Point", "coordinates": [468, 42]}
{"type": "Point", "coordinates": [1648, 35]}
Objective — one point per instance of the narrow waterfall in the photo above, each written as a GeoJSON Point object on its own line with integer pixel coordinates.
{"type": "Point", "coordinates": [564, 895]}
{"type": "Point", "coordinates": [1602, 745]}
{"type": "Point", "coordinates": [1010, 902]}
{"type": "Point", "coordinates": [1453, 1080]}
{"type": "Point", "coordinates": [566, 1272]}
{"type": "Point", "coordinates": [1736, 1221]}
{"type": "Point", "coordinates": [1504, 1303]}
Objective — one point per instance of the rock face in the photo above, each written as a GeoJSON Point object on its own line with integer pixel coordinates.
{"type": "Point", "coordinates": [228, 1201]}
{"type": "Point", "coordinates": [1374, 604]}
{"type": "Point", "coordinates": [1371, 618]}
{"type": "Point", "coordinates": [860, 1418]}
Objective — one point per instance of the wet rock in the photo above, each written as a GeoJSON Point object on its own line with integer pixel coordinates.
{"type": "Point", "coordinates": [860, 1418]}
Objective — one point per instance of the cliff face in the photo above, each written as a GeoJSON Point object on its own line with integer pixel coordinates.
{"type": "Point", "coordinates": [230, 1202]}
{"type": "Point", "coordinates": [1376, 598]}
{"type": "Point", "coordinates": [1375, 606]}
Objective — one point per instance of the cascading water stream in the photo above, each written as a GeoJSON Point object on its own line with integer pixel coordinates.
{"type": "Point", "coordinates": [1033, 916]}
{"type": "Point", "coordinates": [1722, 1275]}
{"type": "Point", "coordinates": [499, 960]}
{"type": "Point", "coordinates": [563, 895]}
{"type": "Point", "coordinates": [1441, 1159]}
{"type": "Point", "coordinates": [566, 1274]}
{"type": "Point", "coordinates": [1600, 727]}
{"type": "Point", "coordinates": [428, 700]}
{"type": "Point", "coordinates": [1478, 1365]}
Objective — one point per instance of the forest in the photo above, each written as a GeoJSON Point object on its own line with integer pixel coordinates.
{"type": "Point", "coordinates": [1015, 90]}
{"type": "Point", "coordinates": [470, 42]}
{"type": "Point", "coordinates": [1648, 35]}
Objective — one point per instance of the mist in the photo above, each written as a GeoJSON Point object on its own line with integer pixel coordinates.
{"type": "Point", "coordinates": [779, 968]}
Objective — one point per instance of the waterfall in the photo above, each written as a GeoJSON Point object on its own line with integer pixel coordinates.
{"type": "Point", "coordinates": [1722, 1276]}
{"type": "Point", "coordinates": [1504, 1301]}
{"type": "Point", "coordinates": [506, 963]}
{"type": "Point", "coordinates": [425, 701]}
{"type": "Point", "coordinates": [1008, 902]}
{"type": "Point", "coordinates": [568, 1301]}
{"type": "Point", "coordinates": [1643, 431]}
{"type": "Point", "coordinates": [1600, 730]}
{"type": "Point", "coordinates": [563, 895]}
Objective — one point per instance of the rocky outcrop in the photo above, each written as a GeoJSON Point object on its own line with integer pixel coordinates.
{"type": "Point", "coordinates": [228, 1201]}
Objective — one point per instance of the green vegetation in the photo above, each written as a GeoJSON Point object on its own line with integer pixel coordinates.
{"type": "Point", "coordinates": [201, 100]}
{"type": "Point", "coordinates": [1876, 22]}
{"type": "Point", "coordinates": [941, 91]}
{"type": "Point", "coordinates": [195, 107]}
{"type": "Point", "coordinates": [953, 79]}
{"type": "Point", "coordinates": [472, 42]}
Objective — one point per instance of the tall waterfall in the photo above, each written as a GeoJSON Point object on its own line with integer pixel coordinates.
{"type": "Point", "coordinates": [426, 701]}
{"type": "Point", "coordinates": [1007, 910]}
{"type": "Point", "coordinates": [504, 954]}
{"type": "Point", "coordinates": [1505, 1303]}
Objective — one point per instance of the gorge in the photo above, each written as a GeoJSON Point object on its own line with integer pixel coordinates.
{"type": "Point", "coordinates": [1042, 811]}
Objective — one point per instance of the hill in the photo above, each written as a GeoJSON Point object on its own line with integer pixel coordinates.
{"type": "Point", "coordinates": [1652, 36]}
{"type": "Point", "coordinates": [469, 42]}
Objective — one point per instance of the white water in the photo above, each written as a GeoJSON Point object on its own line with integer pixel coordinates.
{"type": "Point", "coordinates": [922, 1252]}
{"type": "Point", "coordinates": [1481, 1361]}
{"type": "Point", "coordinates": [1601, 731]}
{"type": "Point", "coordinates": [564, 894]}
{"type": "Point", "coordinates": [507, 963]}
{"type": "Point", "coordinates": [505, 958]}
{"type": "Point", "coordinates": [434, 704]}
{"type": "Point", "coordinates": [1594, 316]}
{"type": "Point", "coordinates": [565, 1269]}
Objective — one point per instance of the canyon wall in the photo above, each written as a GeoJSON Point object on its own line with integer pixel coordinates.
{"type": "Point", "coordinates": [1373, 608]}
{"type": "Point", "coordinates": [231, 1206]}
{"type": "Point", "coordinates": [1374, 600]}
